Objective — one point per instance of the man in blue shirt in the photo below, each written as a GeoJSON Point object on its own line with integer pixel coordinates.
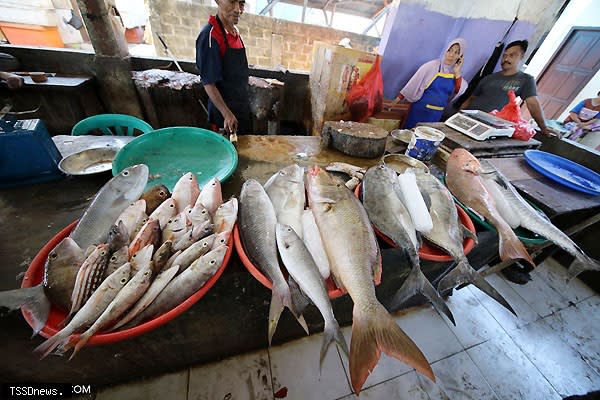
{"type": "Point", "coordinates": [221, 60]}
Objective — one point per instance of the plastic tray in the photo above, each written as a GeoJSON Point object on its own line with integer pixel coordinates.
{"type": "Point", "coordinates": [35, 275]}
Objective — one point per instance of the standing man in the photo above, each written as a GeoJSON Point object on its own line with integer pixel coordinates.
{"type": "Point", "coordinates": [221, 60]}
{"type": "Point", "coordinates": [492, 91]}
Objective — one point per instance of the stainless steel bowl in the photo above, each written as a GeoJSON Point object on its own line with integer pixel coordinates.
{"type": "Point", "coordinates": [400, 163]}
{"type": "Point", "coordinates": [90, 161]}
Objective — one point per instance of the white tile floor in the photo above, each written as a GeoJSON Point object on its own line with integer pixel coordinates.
{"type": "Point", "coordinates": [550, 351]}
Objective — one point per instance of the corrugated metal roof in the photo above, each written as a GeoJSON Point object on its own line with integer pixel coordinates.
{"type": "Point", "coordinates": [367, 9]}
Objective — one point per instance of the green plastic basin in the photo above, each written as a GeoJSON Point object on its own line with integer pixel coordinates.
{"type": "Point", "coordinates": [170, 153]}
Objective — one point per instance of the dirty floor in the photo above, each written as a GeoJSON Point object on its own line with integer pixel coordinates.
{"type": "Point", "coordinates": [551, 351]}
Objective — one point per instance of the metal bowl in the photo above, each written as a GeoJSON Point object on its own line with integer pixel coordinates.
{"type": "Point", "coordinates": [400, 163]}
{"type": "Point", "coordinates": [90, 161]}
{"type": "Point", "coordinates": [401, 136]}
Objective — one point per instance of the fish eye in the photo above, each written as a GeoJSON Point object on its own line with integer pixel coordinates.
{"type": "Point", "coordinates": [123, 280]}
{"type": "Point", "coordinates": [53, 255]}
{"type": "Point", "coordinates": [103, 252]}
{"type": "Point", "coordinates": [205, 244]}
{"type": "Point", "coordinates": [125, 173]}
{"type": "Point", "coordinates": [203, 211]}
{"type": "Point", "coordinates": [114, 258]}
{"type": "Point", "coordinates": [162, 193]}
{"type": "Point", "coordinates": [212, 262]}
{"type": "Point", "coordinates": [222, 240]}
{"type": "Point", "coordinates": [146, 273]}
{"type": "Point", "coordinates": [289, 229]}
{"type": "Point", "coordinates": [171, 205]}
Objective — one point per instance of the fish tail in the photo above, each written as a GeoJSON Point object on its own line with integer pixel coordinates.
{"type": "Point", "coordinates": [463, 273]}
{"type": "Point", "coordinates": [374, 331]}
{"type": "Point", "coordinates": [582, 263]}
{"type": "Point", "coordinates": [511, 248]}
{"type": "Point", "coordinates": [332, 333]}
{"type": "Point", "coordinates": [50, 344]}
{"type": "Point", "coordinates": [279, 298]}
{"type": "Point", "coordinates": [33, 301]}
{"type": "Point", "coordinates": [81, 341]}
{"type": "Point", "coordinates": [415, 283]}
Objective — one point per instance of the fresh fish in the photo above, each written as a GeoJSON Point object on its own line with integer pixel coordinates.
{"type": "Point", "coordinates": [184, 285]}
{"type": "Point", "coordinates": [257, 230]}
{"type": "Point", "coordinates": [198, 214]}
{"type": "Point", "coordinates": [194, 252]}
{"type": "Point", "coordinates": [132, 217]}
{"type": "Point", "coordinates": [348, 169]}
{"type": "Point", "coordinates": [141, 258]}
{"type": "Point", "coordinates": [530, 219]}
{"type": "Point", "coordinates": [221, 238]}
{"type": "Point", "coordinates": [125, 299]}
{"type": "Point", "coordinates": [314, 243]}
{"type": "Point", "coordinates": [211, 196]}
{"type": "Point", "coordinates": [343, 224]}
{"type": "Point", "coordinates": [302, 268]}
{"type": "Point", "coordinates": [176, 227]}
{"type": "Point", "coordinates": [464, 181]}
{"type": "Point", "coordinates": [117, 259]}
{"type": "Point", "coordinates": [164, 212]}
{"type": "Point", "coordinates": [409, 193]}
{"type": "Point", "coordinates": [118, 236]}
{"type": "Point", "coordinates": [171, 259]}
{"type": "Point", "coordinates": [110, 201]}
{"type": "Point", "coordinates": [387, 212]}
{"type": "Point", "coordinates": [157, 285]}
{"type": "Point", "coordinates": [92, 309]}
{"type": "Point", "coordinates": [149, 234]}
{"type": "Point", "coordinates": [60, 272]}
{"type": "Point", "coordinates": [193, 235]}
{"type": "Point", "coordinates": [88, 278]}
{"type": "Point", "coordinates": [161, 256]}
{"type": "Point", "coordinates": [447, 235]}
{"type": "Point", "coordinates": [186, 191]}
{"type": "Point", "coordinates": [226, 216]}
{"type": "Point", "coordinates": [286, 191]}
{"type": "Point", "coordinates": [154, 197]}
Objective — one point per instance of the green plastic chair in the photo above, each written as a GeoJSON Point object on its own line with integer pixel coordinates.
{"type": "Point", "coordinates": [111, 124]}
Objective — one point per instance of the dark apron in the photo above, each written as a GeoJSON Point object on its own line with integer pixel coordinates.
{"type": "Point", "coordinates": [233, 87]}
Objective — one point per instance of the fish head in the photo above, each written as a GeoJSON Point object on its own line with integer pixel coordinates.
{"type": "Point", "coordinates": [66, 254]}
{"type": "Point", "coordinates": [227, 210]}
{"type": "Point", "coordinates": [214, 185]}
{"type": "Point", "coordinates": [120, 256]}
{"type": "Point", "coordinates": [197, 214]}
{"type": "Point", "coordinates": [158, 192]}
{"type": "Point", "coordinates": [220, 238]}
{"type": "Point", "coordinates": [144, 255]}
{"type": "Point", "coordinates": [292, 174]}
{"type": "Point", "coordinates": [322, 187]}
{"type": "Point", "coordinates": [252, 188]}
{"type": "Point", "coordinates": [132, 176]}
{"type": "Point", "coordinates": [118, 236]}
{"type": "Point", "coordinates": [286, 236]}
{"type": "Point", "coordinates": [461, 159]}
{"type": "Point", "coordinates": [123, 273]}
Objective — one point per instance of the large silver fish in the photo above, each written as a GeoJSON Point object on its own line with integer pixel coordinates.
{"type": "Point", "coordinates": [302, 268]}
{"type": "Point", "coordinates": [529, 218]}
{"type": "Point", "coordinates": [355, 259]}
{"type": "Point", "coordinates": [110, 201]}
{"type": "Point", "coordinates": [387, 212]}
{"type": "Point", "coordinates": [257, 230]}
{"type": "Point", "coordinates": [286, 191]}
{"type": "Point", "coordinates": [91, 310]}
{"type": "Point", "coordinates": [447, 234]}
{"type": "Point", "coordinates": [60, 272]}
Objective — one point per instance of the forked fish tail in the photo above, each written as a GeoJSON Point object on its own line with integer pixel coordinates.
{"type": "Point", "coordinates": [374, 331]}
{"type": "Point", "coordinates": [510, 247]}
{"type": "Point", "coordinates": [582, 263]}
{"type": "Point", "coordinates": [33, 300]}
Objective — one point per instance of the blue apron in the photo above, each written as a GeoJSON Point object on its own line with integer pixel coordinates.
{"type": "Point", "coordinates": [430, 106]}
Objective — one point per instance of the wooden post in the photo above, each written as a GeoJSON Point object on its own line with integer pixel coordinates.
{"type": "Point", "coordinates": [112, 65]}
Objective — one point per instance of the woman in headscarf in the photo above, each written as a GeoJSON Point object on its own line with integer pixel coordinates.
{"type": "Point", "coordinates": [434, 85]}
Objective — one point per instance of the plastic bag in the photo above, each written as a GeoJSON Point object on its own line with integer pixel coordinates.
{"type": "Point", "coordinates": [512, 112]}
{"type": "Point", "coordinates": [366, 98]}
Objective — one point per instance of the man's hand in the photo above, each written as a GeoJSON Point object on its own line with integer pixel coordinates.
{"type": "Point", "coordinates": [231, 122]}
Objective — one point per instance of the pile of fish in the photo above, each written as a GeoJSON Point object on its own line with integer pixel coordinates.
{"type": "Point", "coordinates": [479, 186]}
{"type": "Point", "coordinates": [145, 253]}
{"type": "Point", "coordinates": [333, 236]}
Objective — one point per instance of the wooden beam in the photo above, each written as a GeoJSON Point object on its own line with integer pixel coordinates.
{"type": "Point", "coordinates": [268, 7]}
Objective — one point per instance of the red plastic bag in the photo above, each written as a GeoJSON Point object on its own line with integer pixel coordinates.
{"type": "Point", "coordinates": [366, 98]}
{"type": "Point", "coordinates": [512, 112]}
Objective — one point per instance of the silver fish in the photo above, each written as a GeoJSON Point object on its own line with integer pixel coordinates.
{"type": "Point", "coordinates": [302, 268]}
{"type": "Point", "coordinates": [343, 223]}
{"type": "Point", "coordinates": [387, 212]}
{"type": "Point", "coordinates": [447, 234]}
{"type": "Point", "coordinates": [286, 191]}
{"type": "Point", "coordinates": [531, 219]}
{"type": "Point", "coordinates": [195, 251]}
{"type": "Point", "coordinates": [132, 216]}
{"type": "Point", "coordinates": [164, 212]}
{"type": "Point", "coordinates": [211, 196]}
{"type": "Point", "coordinates": [161, 256]}
{"type": "Point", "coordinates": [185, 191]}
{"type": "Point", "coordinates": [314, 243]}
{"type": "Point", "coordinates": [110, 201]}
{"type": "Point", "coordinates": [92, 309]}
{"type": "Point", "coordinates": [257, 230]}
{"type": "Point", "coordinates": [226, 216]}
{"type": "Point", "coordinates": [117, 259]}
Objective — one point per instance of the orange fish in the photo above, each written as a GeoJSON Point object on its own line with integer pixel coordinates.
{"type": "Point", "coordinates": [463, 180]}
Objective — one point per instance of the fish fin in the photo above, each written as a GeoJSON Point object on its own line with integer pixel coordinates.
{"type": "Point", "coordinates": [51, 344]}
{"type": "Point", "coordinates": [374, 331]}
{"type": "Point", "coordinates": [415, 283]}
{"type": "Point", "coordinates": [336, 280]}
{"type": "Point", "coordinates": [378, 268]}
{"type": "Point", "coordinates": [582, 263]}
{"type": "Point", "coordinates": [81, 341]}
{"type": "Point", "coordinates": [511, 248]}
{"type": "Point", "coordinates": [332, 333]}
{"type": "Point", "coordinates": [427, 200]}
{"type": "Point", "coordinates": [32, 300]}
{"type": "Point", "coordinates": [299, 300]}
{"type": "Point", "coordinates": [279, 297]}
{"type": "Point", "coordinates": [88, 251]}
{"type": "Point", "coordinates": [464, 273]}
{"type": "Point", "coordinates": [467, 233]}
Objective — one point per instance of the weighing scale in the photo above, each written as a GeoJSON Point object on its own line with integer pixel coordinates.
{"type": "Point", "coordinates": [480, 125]}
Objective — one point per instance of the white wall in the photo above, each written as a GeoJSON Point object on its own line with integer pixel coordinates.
{"type": "Point", "coordinates": [577, 13]}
